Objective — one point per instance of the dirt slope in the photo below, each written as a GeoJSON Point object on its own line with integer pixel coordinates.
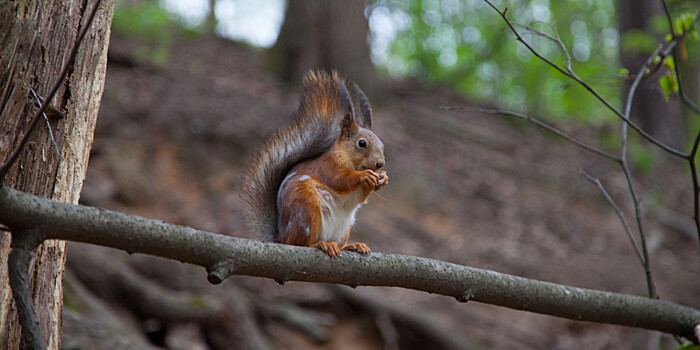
{"type": "Point", "coordinates": [471, 189]}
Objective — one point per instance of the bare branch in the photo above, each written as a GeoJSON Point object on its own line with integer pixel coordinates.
{"type": "Point", "coordinates": [691, 157]}
{"type": "Point", "coordinates": [646, 264]}
{"type": "Point", "coordinates": [537, 122]}
{"type": "Point", "coordinates": [556, 40]}
{"type": "Point", "coordinates": [595, 93]}
{"type": "Point", "coordinates": [18, 264]}
{"type": "Point", "coordinates": [696, 186]}
{"type": "Point", "coordinates": [53, 141]}
{"type": "Point", "coordinates": [651, 289]}
{"type": "Point", "coordinates": [635, 84]}
{"type": "Point", "coordinates": [54, 220]}
{"type": "Point", "coordinates": [619, 213]}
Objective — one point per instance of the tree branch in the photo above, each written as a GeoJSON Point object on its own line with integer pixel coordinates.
{"type": "Point", "coordinates": [617, 210]}
{"type": "Point", "coordinates": [688, 103]}
{"type": "Point", "coordinates": [646, 264]}
{"type": "Point", "coordinates": [590, 89]}
{"type": "Point", "coordinates": [539, 123]}
{"type": "Point", "coordinates": [54, 220]}
{"type": "Point", "coordinates": [556, 40]}
{"type": "Point", "coordinates": [18, 264]}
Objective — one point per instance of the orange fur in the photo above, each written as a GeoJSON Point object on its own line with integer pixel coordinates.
{"type": "Point", "coordinates": [342, 170]}
{"type": "Point", "coordinates": [309, 178]}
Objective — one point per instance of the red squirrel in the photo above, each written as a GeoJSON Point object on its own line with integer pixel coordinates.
{"type": "Point", "coordinates": [306, 183]}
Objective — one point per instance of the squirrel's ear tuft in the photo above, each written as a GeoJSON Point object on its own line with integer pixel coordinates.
{"type": "Point", "coordinates": [365, 117]}
{"type": "Point", "coordinates": [346, 104]}
{"type": "Point", "coordinates": [348, 126]}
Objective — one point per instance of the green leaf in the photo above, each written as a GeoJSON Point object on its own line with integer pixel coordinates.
{"type": "Point", "coordinates": [669, 85]}
{"type": "Point", "coordinates": [624, 72]}
{"type": "Point", "coordinates": [678, 26]}
{"type": "Point", "coordinates": [669, 63]}
{"type": "Point", "coordinates": [687, 19]}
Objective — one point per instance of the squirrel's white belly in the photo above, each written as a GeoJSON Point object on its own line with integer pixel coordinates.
{"type": "Point", "coordinates": [338, 214]}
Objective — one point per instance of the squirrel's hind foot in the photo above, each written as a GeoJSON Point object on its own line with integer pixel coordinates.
{"type": "Point", "coordinates": [358, 247]}
{"type": "Point", "coordinates": [330, 248]}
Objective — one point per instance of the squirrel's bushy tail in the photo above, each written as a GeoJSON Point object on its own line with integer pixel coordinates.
{"type": "Point", "coordinates": [312, 132]}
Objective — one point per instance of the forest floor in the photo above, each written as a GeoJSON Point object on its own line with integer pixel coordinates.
{"type": "Point", "coordinates": [477, 190]}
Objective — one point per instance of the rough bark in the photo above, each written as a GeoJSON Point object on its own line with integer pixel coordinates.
{"type": "Point", "coordinates": [36, 38]}
{"type": "Point", "coordinates": [325, 34]}
{"type": "Point", "coordinates": [224, 256]}
{"type": "Point", "coordinates": [657, 117]}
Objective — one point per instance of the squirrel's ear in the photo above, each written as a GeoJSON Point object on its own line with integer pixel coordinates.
{"type": "Point", "coordinates": [345, 99]}
{"type": "Point", "coordinates": [348, 126]}
{"type": "Point", "coordinates": [365, 117]}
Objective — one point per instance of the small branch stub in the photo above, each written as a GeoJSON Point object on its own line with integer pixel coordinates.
{"type": "Point", "coordinates": [465, 297]}
{"type": "Point", "coordinates": [219, 272]}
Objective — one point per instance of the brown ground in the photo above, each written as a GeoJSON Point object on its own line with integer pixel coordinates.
{"type": "Point", "coordinates": [477, 190]}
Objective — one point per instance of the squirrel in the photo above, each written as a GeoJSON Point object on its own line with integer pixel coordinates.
{"type": "Point", "coordinates": [305, 184]}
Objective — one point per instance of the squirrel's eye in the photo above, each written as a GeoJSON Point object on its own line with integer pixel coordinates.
{"type": "Point", "coordinates": [362, 143]}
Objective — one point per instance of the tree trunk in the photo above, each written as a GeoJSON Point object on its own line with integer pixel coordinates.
{"type": "Point", "coordinates": [36, 38]}
{"type": "Point", "coordinates": [661, 119]}
{"type": "Point", "coordinates": [326, 34]}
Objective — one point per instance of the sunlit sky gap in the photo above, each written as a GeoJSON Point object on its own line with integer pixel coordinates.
{"type": "Point", "coordinates": [258, 23]}
{"type": "Point", "coordinates": [451, 34]}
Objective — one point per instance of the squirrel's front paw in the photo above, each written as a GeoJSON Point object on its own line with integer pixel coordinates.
{"type": "Point", "coordinates": [370, 178]}
{"type": "Point", "coordinates": [383, 180]}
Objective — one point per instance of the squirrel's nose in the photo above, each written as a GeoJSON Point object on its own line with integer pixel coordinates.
{"type": "Point", "coordinates": [380, 164]}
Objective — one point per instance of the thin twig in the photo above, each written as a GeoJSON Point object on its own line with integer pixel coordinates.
{"type": "Point", "coordinates": [668, 17]}
{"type": "Point", "coordinates": [692, 156]}
{"type": "Point", "coordinates": [556, 40]}
{"type": "Point", "coordinates": [537, 122]}
{"type": "Point", "coordinates": [635, 83]}
{"type": "Point", "coordinates": [696, 186]}
{"type": "Point", "coordinates": [595, 93]}
{"type": "Point", "coordinates": [58, 152]}
{"type": "Point", "coordinates": [625, 116]}
{"type": "Point", "coordinates": [619, 213]}
{"type": "Point", "coordinates": [651, 288]}
{"type": "Point", "coordinates": [64, 72]}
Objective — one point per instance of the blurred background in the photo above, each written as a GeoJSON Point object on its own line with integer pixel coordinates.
{"type": "Point", "coordinates": [193, 87]}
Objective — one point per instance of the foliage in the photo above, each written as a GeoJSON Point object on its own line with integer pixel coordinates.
{"type": "Point", "coordinates": [464, 44]}
{"type": "Point", "coordinates": [684, 22]}
{"type": "Point", "coordinates": [152, 24]}
{"type": "Point", "coordinates": [689, 346]}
